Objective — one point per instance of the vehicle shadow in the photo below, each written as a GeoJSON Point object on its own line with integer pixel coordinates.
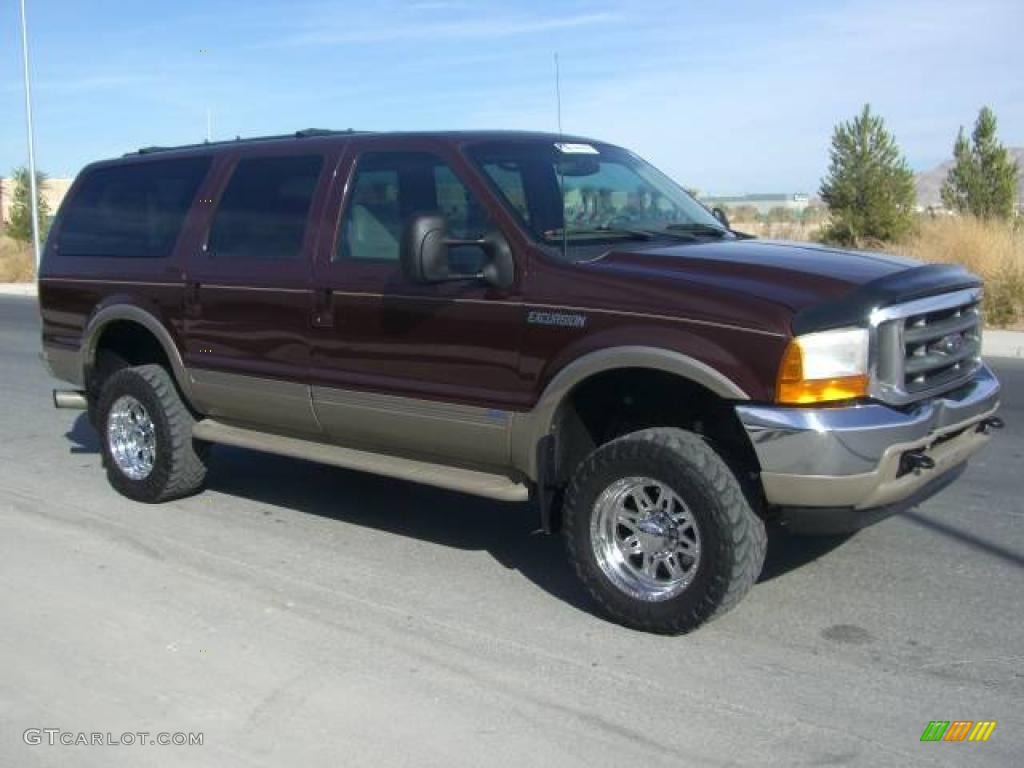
{"type": "Point", "coordinates": [508, 532]}
{"type": "Point", "coordinates": [788, 551]}
{"type": "Point", "coordinates": [82, 436]}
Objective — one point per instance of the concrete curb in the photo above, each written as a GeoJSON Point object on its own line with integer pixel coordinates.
{"type": "Point", "coordinates": [17, 289]}
{"type": "Point", "coordinates": [1003, 344]}
{"type": "Point", "coordinates": [996, 343]}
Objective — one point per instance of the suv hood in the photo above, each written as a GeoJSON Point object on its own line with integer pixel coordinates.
{"type": "Point", "coordinates": [794, 275]}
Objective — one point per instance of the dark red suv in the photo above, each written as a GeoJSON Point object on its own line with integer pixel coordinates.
{"type": "Point", "coordinates": [519, 316]}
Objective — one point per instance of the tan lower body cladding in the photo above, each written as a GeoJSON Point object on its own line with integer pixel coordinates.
{"type": "Point", "coordinates": [463, 448]}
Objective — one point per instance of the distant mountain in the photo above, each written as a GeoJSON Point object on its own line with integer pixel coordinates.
{"type": "Point", "coordinates": [929, 183]}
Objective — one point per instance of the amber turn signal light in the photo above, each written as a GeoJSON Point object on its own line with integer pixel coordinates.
{"type": "Point", "coordinates": [796, 386]}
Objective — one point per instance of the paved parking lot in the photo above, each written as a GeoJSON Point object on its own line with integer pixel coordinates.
{"type": "Point", "coordinates": [305, 615]}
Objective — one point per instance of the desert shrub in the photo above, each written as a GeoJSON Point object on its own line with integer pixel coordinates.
{"type": "Point", "coordinates": [17, 264]}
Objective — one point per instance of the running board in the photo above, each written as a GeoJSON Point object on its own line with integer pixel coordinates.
{"type": "Point", "coordinates": [453, 478]}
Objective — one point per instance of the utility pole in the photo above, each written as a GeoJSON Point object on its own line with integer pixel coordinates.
{"type": "Point", "coordinates": [31, 141]}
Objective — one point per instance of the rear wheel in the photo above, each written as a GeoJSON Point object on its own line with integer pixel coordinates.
{"type": "Point", "coordinates": [660, 532]}
{"type": "Point", "coordinates": [146, 431]}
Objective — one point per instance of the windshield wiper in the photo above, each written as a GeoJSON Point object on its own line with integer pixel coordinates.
{"type": "Point", "coordinates": [675, 235]}
{"type": "Point", "coordinates": [699, 229]}
{"type": "Point", "coordinates": [635, 234]}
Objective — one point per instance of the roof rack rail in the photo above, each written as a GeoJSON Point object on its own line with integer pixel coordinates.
{"type": "Point", "coordinates": [305, 133]}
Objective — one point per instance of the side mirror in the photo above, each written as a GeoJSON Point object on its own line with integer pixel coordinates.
{"type": "Point", "coordinates": [423, 254]}
{"type": "Point", "coordinates": [723, 218]}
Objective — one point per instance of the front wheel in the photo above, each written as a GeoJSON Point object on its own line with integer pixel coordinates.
{"type": "Point", "coordinates": [660, 532]}
{"type": "Point", "coordinates": [146, 430]}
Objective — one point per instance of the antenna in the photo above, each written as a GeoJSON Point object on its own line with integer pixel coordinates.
{"type": "Point", "coordinates": [561, 178]}
{"type": "Point", "coordinates": [558, 94]}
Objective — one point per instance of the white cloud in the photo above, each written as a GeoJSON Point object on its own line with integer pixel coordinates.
{"type": "Point", "coordinates": [454, 29]}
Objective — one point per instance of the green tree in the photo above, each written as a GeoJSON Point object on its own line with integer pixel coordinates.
{"type": "Point", "coordinates": [869, 189]}
{"type": "Point", "coordinates": [20, 226]}
{"type": "Point", "coordinates": [983, 179]}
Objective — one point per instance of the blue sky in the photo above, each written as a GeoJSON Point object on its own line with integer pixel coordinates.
{"type": "Point", "coordinates": [729, 98]}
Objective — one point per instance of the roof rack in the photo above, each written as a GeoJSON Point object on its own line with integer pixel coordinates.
{"type": "Point", "coordinates": [305, 133]}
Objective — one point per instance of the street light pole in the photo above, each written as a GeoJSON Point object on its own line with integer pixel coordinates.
{"type": "Point", "coordinates": [31, 141]}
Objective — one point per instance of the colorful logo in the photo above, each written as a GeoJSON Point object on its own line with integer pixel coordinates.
{"type": "Point", "coordinates": [958, 730]}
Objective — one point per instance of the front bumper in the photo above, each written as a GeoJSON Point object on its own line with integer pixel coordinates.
{"type": "Point", "coordinates": [827, 465]}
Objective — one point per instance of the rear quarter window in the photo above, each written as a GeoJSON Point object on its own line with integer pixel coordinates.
{"type": "Point", "coordinates": [263, 212]}
{"type": "Point", "coordinates": [131, 211]}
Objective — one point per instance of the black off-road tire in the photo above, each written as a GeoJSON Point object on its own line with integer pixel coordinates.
{"type": "Point", "coordinates": [733, 539]}
{"type": "Point", "coordinates": [179, 468]}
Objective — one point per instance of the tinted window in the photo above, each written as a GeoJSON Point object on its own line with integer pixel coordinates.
{"type": "Point", "coordinates": [134, 210]}
{"type": "Point", "coordinates": [263, 212]}
{"type": "Point", "coordinates": [388, 188]}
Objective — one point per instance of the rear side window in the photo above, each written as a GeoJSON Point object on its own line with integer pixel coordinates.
{"type": "Point", "coordinates": [131, 211]}
{"type": "Point", "coordinates": [263, 212]}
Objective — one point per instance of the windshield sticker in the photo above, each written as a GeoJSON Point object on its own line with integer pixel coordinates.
{"type": "Point", "coordinates": [576, 149]}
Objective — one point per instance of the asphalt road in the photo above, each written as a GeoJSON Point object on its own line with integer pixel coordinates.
{"type": "Point", "coordinates": [302, 615]}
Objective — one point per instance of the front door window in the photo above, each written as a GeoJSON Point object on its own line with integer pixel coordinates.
{"type": "Point", "coordinates": [388, 189]}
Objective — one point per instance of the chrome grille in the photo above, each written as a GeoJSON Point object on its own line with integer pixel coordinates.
{"type": "Point", "coordinates": [926, 347]}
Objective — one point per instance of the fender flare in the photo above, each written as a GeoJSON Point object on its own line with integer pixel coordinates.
{"type": "Point", "coordinates": [528, 429]}
{"type": "Point", "coordinates": [131, 313]}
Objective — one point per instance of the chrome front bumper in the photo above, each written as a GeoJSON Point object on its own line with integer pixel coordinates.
{"type": "Point", "coordinates": [853, 457]}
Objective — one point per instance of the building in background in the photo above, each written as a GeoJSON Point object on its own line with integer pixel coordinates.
{"type": "Point", "coordinates": [796, 202]}
{"type": "Point", "coordinates": [53, 193]}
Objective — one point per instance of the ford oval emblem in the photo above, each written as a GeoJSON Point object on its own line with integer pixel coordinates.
{"type": "Point", "coordinates": [950, 345]}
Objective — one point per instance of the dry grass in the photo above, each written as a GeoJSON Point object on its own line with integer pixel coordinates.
{"type": "Point", "coordinates": [779, 230]}
{"type": "Point", "coordinates": [16, 262]}
{"type": "Point", "coordinates": [992, 249]}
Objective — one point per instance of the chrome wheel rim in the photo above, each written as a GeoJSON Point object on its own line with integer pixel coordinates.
{"type": "Point", "coordinates": [131, 437]}
{"type": "Point", "coordinates": [645, 539]}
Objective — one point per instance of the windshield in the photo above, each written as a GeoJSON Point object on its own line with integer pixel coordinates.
{"type": "Point", "coordinates": [585, 194]}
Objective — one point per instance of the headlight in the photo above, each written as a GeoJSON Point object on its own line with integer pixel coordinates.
{"type": "Point", "coordinates": [823, 367]}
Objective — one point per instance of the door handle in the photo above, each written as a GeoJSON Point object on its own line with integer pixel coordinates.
{"type": "Point", "coordinates": [323, 308]}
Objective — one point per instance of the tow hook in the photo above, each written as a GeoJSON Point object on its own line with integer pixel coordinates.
{"type": "Point", "coordinates": [992, 422]}
{"type": "Point", "coordinates": [915, 461]}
